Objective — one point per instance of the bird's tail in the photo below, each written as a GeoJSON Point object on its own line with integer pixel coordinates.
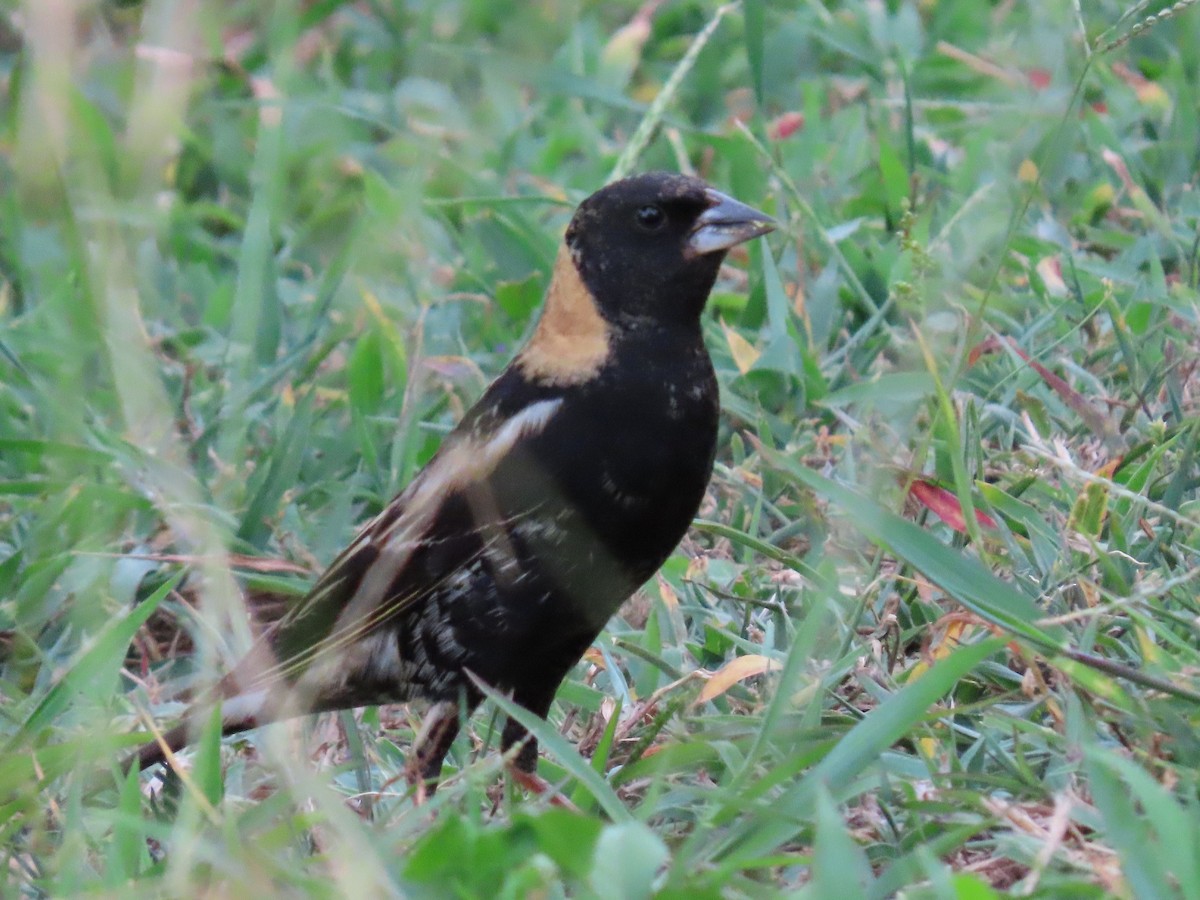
{"type": "Point", "coordinates": [272, 682]}
{"type": "Point", "coordinates": [243, 706]}
{"type": "Point", "coordinates": [239, 713]}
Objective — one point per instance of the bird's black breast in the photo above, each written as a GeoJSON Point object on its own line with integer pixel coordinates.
{"type": "Point", "coordinates": [621, 468]}
{"type": "Point", "coordinates": [580, 513]}
{"type": "Point", "coordinates": [519, 569]}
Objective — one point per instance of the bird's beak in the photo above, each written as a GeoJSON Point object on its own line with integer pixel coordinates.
{"type": "Point", "coordinates": [726, 223]}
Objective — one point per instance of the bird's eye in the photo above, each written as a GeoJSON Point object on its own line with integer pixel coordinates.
{"type": "Point", "coordinates": [651, 218]}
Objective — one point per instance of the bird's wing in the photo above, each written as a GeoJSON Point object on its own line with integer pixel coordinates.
{"type": "Point", "coordinates": [375, 580]}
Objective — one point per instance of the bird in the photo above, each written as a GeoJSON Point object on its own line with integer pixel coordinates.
{"type": "Point", "coordinates": [558, 494]}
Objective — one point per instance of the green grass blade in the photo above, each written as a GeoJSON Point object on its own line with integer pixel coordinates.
{"type": "Point", "coordinates": [94, 674]}
{"type": "Point", "coordinates": [964, 578]}
{"type": "Point", "coordinates": [568, 757]}
{"type": "Point", "coordinates": [853, 754]}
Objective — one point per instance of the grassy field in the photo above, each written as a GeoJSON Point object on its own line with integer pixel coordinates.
{"type": "Point", "coordinates": [936, 632]}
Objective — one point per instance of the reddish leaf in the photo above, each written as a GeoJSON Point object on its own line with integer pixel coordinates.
{"type": "Point", "coordinates": [785, 126]}
{"type": "Point", "coordinates": [990, 345]}
{"type": "Point", "coordinates": [946, 507]}
{"type": "Point", "coordinates": [1039, 79]}
{"type": "Point", "coordinates": [1093, 418]}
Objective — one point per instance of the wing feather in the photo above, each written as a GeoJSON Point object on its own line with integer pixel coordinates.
{"type": "Point", "coordinates": [371, 583]}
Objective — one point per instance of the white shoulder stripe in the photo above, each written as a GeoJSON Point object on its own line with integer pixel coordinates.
{"type": "Point", "coordinates": [467, 460]}
{"type": "Point", "coordinates": [474, 458]}
{"type": "Point", "coordinates": [531, 420]}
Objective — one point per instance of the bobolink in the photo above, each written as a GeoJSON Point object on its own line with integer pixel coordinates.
{"type": "Point", "coordinates": [561, 491]}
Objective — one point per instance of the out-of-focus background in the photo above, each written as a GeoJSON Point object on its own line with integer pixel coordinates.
{"type": "Point", "coordinates": [937, 631]}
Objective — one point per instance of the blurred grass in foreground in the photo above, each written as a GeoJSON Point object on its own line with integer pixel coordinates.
{"type": "Point", "coordinates": [255, 261]}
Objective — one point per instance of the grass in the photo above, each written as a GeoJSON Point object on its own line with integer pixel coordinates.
{"type": "Point", "coordinates": [936, 631]}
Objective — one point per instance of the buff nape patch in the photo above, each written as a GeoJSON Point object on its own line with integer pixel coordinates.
{"type": "Point", "coordinates": [571, 342]}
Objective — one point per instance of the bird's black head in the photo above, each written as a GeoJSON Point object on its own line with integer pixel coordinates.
{"type": "Point", "coordinates": [648, 247]}
{"type": "Point", "coordinates": [639, 253]}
